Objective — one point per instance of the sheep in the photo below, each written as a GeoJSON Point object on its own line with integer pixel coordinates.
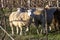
{"type": "Point", "coordinates": [19, 19]}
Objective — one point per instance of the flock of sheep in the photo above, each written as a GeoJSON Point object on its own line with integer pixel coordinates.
{"type": "Point", "coordinates": [20, 19]}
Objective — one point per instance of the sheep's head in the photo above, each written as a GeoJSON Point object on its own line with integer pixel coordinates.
{"type": "Point", "coordinates": [38, 11]}
{"type": "Point", "coordinates": [18, 9]}
{"type": "Point", "coordinates": [47, 7]}
{"type": "Point", "coordinates": [25, 16]}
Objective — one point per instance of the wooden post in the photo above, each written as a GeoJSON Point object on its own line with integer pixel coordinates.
{"type": "Point", "coordinates": [2, 3]}
{"type": "Point", "coordinates": [21, 3]}
{"type": "Point", "coordinates": [46, 23]}
{"type": "Point", "coordinates": [28, 9]}
{"type": "Point", "coordinates": [29, 4]}
{"type": "Point", "coordinates": [49, 2]}
{"type": "Point", "coordinates": [57, 3]}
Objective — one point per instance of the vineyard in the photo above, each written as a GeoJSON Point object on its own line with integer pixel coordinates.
{"type": "Point", "coordinates": [8, 6]}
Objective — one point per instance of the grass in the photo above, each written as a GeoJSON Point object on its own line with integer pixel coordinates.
{"type": "Point", "coordinates": [32, 35]}
{"type": "Point", "coordinates": [54, 36]}
{"type": "Point", "coordinates": [51, 36]}
{"type": "Point", "coordinates": [38, 37]}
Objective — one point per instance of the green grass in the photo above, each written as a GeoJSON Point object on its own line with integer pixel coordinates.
{"type": "Point", "coordinates": [38, 37]}
{"type": "Point", "coordinates": [33, 35]}
{"type": "Point", "coordinates": [54, 36]}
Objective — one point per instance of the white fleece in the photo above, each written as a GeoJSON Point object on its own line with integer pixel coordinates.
{"type": "Point", "coordinates": [29, 12]}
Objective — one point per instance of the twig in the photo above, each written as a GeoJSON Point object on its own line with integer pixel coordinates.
{"type": "Point", "coordinates": [7, 33]}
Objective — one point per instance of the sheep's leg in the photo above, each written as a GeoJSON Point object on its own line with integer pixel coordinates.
{"type": "Point", "coordinates": [11, 28]}
{"type": "Point", "coordinates": [20, 30]}
{"type": "Point", "coordinates": [37, 31]}
{"type": "Point", "coordinates": [27, 29]}
{"type": "Point", "coordinates": [12, 31]}
{"type": "Point", "coordinates": [17, 29]}
{"type": "Point", "coordinates": [57, 26]}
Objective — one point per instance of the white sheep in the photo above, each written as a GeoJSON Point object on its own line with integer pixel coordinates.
{"type": "Point", "coordinates": [19, 19]}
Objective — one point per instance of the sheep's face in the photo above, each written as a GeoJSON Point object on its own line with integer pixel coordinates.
{"type": "Point", "coordinates": [25, 16]}
{"type": "Point", "coordinates": [38, 12]}
{"type": "Point", "coordinates": [18, 9]}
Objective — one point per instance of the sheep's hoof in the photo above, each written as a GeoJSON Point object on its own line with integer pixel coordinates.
{"type": "Point", "coordinates": [20, 33]}
{"type": "Point", "coordinates": [27, 30]}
